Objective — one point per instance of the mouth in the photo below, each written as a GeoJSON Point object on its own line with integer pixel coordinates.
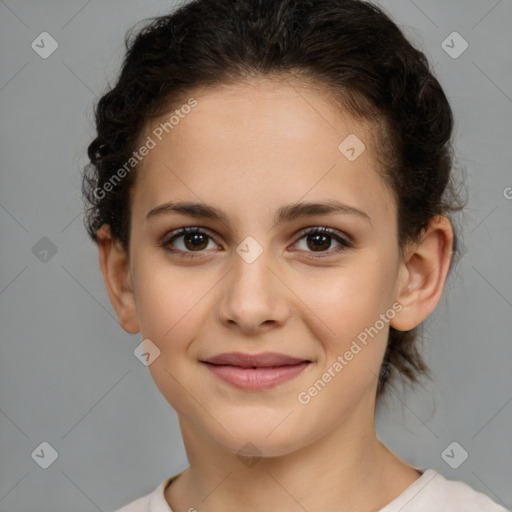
{"type": "Point", "coordinates": [255, 372]}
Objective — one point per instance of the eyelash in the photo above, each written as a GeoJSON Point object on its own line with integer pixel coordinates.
{"type": "Point", "coordinates": [345, 243]}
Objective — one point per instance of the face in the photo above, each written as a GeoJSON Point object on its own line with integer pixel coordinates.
{"type": "Point", "coordinates": [263, 277]}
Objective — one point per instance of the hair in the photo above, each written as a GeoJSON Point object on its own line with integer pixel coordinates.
{"type": "Point", "coordinates": [349, 48]}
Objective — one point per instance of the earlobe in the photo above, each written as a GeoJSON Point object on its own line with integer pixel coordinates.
{"type": "Point", "coordinates": [423, 274]}
{"type": "Point", "coordinates": [116, 274]}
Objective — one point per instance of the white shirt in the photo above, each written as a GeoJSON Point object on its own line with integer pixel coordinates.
{"type": "Point", "coordinates": [432, 492]}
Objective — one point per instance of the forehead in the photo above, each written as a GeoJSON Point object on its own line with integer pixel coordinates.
{"type": "Point", "coordinates": [260, 144]}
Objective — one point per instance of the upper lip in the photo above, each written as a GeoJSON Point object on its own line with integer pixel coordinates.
{"type": "Point", "coordinates": [264, 359]}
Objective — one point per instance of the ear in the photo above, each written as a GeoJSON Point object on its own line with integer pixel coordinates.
{"type": "Point", "coordinates": [116, 274]}
{"type": "Point", "coordinates": [423, 274]}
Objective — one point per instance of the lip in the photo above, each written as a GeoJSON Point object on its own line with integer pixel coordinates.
{"type": "Point", "coordinates": [261, 360]}
{"type": "Point", "coordinates": [255, 372]}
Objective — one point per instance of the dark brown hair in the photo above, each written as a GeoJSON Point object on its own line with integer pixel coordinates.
{"type": "Point", "coordinates": [349, 47]}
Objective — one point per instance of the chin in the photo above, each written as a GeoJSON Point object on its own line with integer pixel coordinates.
{"type": "Point", "coordinates": [254, 441]}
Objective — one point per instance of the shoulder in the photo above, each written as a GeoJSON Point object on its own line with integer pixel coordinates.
{"type": "Point", "coordinates": [460, 496]}
{"type": "Point", "coordinates": [139, 505]}
{"type": "Point", "coordinates": [152, 502]}
{"type": "Point", "coordinates": [432, 491]}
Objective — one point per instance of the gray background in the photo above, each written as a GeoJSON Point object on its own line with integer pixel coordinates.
{"type": "Point", "coordinates": [68, 374]}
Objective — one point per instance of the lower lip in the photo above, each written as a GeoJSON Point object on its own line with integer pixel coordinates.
{"type": "Point", "coordinates": [256, 379]}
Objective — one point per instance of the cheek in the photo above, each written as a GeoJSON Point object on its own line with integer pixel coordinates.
{"type": "Point", "coordinates": [353, 345]}
{"type": "Point", "coordinates": [350, 299]}
{"type": "Point", "coordinates": [168, 303]}
{"type": "Point", "coordinates": [169, 308]}
{"type": "Point", "coordinates": [355, 306]}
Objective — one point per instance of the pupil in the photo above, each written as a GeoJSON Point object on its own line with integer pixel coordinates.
{"type": "Point", "coordinates": [320, 241]}
{"type": "Point", "coordinates": [319, 237]}
{"type": "Point", "coordinates": [197, 240]}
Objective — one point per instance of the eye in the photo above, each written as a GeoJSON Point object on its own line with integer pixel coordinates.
{"type": "Point", "coordinates": [195, 240]}
{"type": "Point", "coordinates": [319, 239]}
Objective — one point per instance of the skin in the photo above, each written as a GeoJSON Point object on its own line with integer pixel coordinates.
{"type": "Point", "coordinates": [249, 149]}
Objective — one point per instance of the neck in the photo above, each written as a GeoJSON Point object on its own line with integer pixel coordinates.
{"type": "Point", "coordinates": [345, 469]}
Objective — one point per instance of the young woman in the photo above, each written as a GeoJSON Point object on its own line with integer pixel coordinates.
{"type": "Point", "coordinates": [270, 189]}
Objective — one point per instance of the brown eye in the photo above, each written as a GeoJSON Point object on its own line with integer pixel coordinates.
{"type": "Point", "coordinates": [195, 241]}
{"type": "Point", "coordinates": [320, 240]}
{"type": "Point", "coordinates": [187, 241]}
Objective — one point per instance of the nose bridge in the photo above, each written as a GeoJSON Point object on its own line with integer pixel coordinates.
{"type": "Point", "coordinates": [251, 295]}
{"type": "Point", "coordinates": [250, 274]}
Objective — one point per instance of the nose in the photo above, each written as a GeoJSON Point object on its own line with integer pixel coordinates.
{"type": "Point", "coordinates": [253, 297]}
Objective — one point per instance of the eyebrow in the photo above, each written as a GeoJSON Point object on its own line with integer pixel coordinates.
{"type": "Point", "coordinates": [284, 214]}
